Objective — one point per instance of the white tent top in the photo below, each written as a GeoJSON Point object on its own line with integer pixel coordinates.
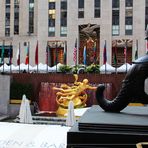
{"type": "Point", "coordinates": [107, 68]}
{"type": "Point", "coordinates": [124, 68]}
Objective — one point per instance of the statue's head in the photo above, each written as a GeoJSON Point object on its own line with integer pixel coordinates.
{"type": "Point", "coordinates": [85, 81]}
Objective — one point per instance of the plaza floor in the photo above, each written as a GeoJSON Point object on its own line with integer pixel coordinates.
{"type": "Point", "coordinates": [16, 135]}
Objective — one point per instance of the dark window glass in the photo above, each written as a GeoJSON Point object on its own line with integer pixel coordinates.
{"type": "Point", "coordinates": [64, 22]}
{"type": "Point", "coordinates": [51, 5]}
{"type": "Point", "coordinates": [115, 20]}
{"type": "Point", "coordinates": [64, 5]}
{"type": "Point", "coordinates": [129, 20]}
{"type": "Point", "coordinates": [7, 31]}
{"type": "Point", "coordinates": [7, 1]}
{"type": "Point", "coordinates": [115, 12]}
{"type": "Point", "coordinates": [81, 14]}
{"type": "Point", "coordinates": [146, 13]}
{"type": "Point", "coordinates": [31, 16]}
{"type": "Point", "coordinates": [97, 13]}
{"type": "Point", "coordinates": [129, 3]}
{"type": "Point", "coordinates": [115, 3]}
{"type": "Point", "coordinates": [115, 17]}
{"type": "Point", "coordinates": [128, 32]}
{"type": "Point", "coordinates": [81, 4]}
{"type": "Point", "coordinates": [97, 3]}
{"type": "Point", "coordinates": [51, 22]}
{"type": "Point", "coordinates": [146, 10]}
{"type": "Point", "coordinates": [51, 34]}
{"type": "Point", "coordinates": [64, 14]}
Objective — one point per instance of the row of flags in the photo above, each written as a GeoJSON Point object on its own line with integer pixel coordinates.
{"type": "Point", "coordinates": [27, 52]}
{"type": "Point", "coordinates": [75, 53]}
{"type": "Point", "coordinates": [104, 53]}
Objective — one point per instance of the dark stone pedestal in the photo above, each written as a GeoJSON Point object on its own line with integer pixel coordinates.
{"type": "Point", "coordinates": [97, 128]}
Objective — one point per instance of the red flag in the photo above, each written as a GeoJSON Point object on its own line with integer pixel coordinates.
{"type": "Point", "coordinates": [104, 54]}
{"type": "Point", "coordinates": [10, 54]}
{"type": "Point", "coordinates": [36, 54]}
{"type": "Point", "coordinates": [18, 57]}
{"type": "Point", "coordinates": [75, 53]}
{"type": "Point", "coordinates": [27, 55]}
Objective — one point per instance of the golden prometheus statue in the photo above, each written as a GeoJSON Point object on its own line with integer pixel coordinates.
{"type": "Point", "coordinates": [75, 93]}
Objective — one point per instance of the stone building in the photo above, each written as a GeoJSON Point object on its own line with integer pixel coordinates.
{"type": "Point", "coordinates": [59, 25]}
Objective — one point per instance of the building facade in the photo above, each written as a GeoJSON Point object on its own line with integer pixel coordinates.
{"type": "Point", "coordinates": [62, 25]}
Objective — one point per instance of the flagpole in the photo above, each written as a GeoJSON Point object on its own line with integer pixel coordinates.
{"type": "Point", "coordinates": [105, 56]}
{"type": "Point", "coordinates": [136, 54]}
{"type": "Point", "coordinates": [10, 56]}
{"type": "Point", "coordinates": [47, 56]}
{"type": "Point", "coordinates": [3, 54]}
{"type": "Point", "coordinates": [126, 55]}
{"type": "Point", "coordinates": [56, 56]}
{"type": "Point", "coordinates": [115, 58]}
{"type": "Point", "coordinates": [19, 55]}
{"type": "Point", "coordinates": [37, 56]}
{"type": "Point", "coordinates": [28, 55]}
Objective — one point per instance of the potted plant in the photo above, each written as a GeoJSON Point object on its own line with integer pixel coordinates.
{"type": "Point", "coordinates": [65, 69]}
{"type": "Point", "coordinates": [93, 68]}
{"type": "Point", "coordinates": [78, 68]}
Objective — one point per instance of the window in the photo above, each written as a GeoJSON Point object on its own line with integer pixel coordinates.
{"type": "Point", "coordinates": [51, 18]}
{"type": "Point", "coordinates": [16, 17]}
{"type": "Point", "coordinates": [63, 5]}
{"type": "Point", "coordinates": [146, 13]}
{"type": "Point", "coordinates": [80, 8]}
{"type": "Point", "coordinates": [63, 29]}
{"type": "Point", "coordinates": [81, 14]}
{"type": "Point", "coordinates": [7, 1]}
{"type": "Point", "coordinates": [115, 17]}
{"type": "Point", "coordinates": [128, 17]}
{"type": "Point", "coordinates": [115, 3]}
{"type": "Point", "coordinates": [97, 8]}
{"type": "Point", "coordinates": [31, 16]}
{"type": "Point", "coordinates": [81, 4]}
{"type": "Point", "coordinates": [7, 18]}
{"type": "Point", "coordinates": [115, 29]}
{"type": "Point", "coordinates": [129, 3]}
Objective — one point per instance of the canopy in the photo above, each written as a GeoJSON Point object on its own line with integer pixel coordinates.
{"type": "Point", "coordinates": [124, 68]}
{"type": "Point", "coordinates": [107, 68]}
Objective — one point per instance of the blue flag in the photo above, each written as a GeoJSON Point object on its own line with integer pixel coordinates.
{"type": "Point", "coordinates": [84, 55]}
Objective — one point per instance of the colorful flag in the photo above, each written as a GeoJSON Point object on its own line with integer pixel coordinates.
{"type": "Point", "coordinates": [115, 55]}
{"type": "Point", "coordinates": [136, 50]}
{"type": "Point", "coordinates": [94, 49]}
{"type": "Point", "coordinates": [75, 53]}
{"type": "Point", "coordinates": [125, 53]}
{"type": "Point", "coordinates": [65, 53]}
{"type": "Point", "coordinates": [104, 54]}
{"type": "Point", "coordinates": [84, 56]}
{"type": "Point", "coordinates": [27, 55]}
{"type": "Point", "coordinates": [18, 55]}
{"type": "Point", "coordinates": [9, 54]}
{"type": "Point", "coordinates": [36, 54]}
{"type": "Point", "coordinates": [2, 53]}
